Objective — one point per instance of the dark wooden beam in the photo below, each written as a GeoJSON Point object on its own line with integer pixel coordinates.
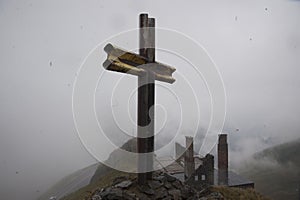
{"type": "Point", "coordinates": [142, 110]}
{"type": "Point", "coordinates": [151, 97]}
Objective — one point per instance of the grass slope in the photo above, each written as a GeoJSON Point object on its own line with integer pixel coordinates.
{"type": "Point", "coordinates": [106, 180]}
{"type": "Point", "coordinates": [238, 193]}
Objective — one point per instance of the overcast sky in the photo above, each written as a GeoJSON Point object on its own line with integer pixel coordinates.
{"type": "Point", "coordinates": [255, 45]}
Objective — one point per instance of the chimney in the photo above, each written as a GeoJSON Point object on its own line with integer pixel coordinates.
{"type": "Point", "coordinates": [189, 163]}
{"type": "Point", "coordinates": [223, 160]}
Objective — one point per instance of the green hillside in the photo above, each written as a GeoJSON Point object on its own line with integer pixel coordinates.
{"type": "Point", "coordinates": [276, 171]}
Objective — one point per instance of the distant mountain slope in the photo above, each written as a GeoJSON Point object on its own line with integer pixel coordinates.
{"type": "Point", "coordinates": [70, 183]}
{"type": "Point", "coordinates": [114, 159]}
{"type": "Point", "coordinates": [276, 171]}
{"type": "Point", "coordinates": [283, 154]}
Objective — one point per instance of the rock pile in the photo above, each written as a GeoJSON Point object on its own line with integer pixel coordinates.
{"type": "Point", "coordinates": [163, 186]}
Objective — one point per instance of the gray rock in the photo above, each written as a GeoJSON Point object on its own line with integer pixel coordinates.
{"type": "Point", "coordinates": [129, 196]}
{"type": "Point", "coordinates": [142, 196]}
{"type": "Point", "coordinates": [112, 194]}
{"type": "Point", "coordinates": [160, 178]}
{"type": "Point", "coordinates": [177, 184]}
{"type": "Point", "coordinates": [119, 179]}
{"type": "Point", "coordinates": [168, 198]}
{"type": "Point", "coordinates": [105, 192]}
{"type": "Point", "coordinates": [168, 185]}
{"type": "Point", "coordinates": [187, 192]}
{"type": "Point", "coordinates": [175, 194]}
{"type": "Point", "coordinates": [96, 197]}
{"type": "Point", "coordinates": [124, 184]}
{"type": "Point", "coordinates": [161, 193]}
{"type": "Point", "coordinates": [194, 198]}
{"type": "Point", "coordinates": [146, 189]}
{"type": "Point", "coordinates": [170, 178]}
{"type": "Point", "coordinates": [154, 184]}
{"type": "Point", "coordinates": [215, 195]}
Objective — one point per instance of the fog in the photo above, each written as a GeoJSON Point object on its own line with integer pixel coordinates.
{"type": "Point", "coordinates": [254, 44]}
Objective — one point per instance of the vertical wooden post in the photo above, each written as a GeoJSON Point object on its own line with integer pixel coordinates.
{"type": "Point", "coordinates": [151, 97]}
{"type": "Point", "coordinates": [146, 98]}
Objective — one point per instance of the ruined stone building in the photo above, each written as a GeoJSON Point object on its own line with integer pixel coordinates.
{"type": "Point", "coordinates": [198, 171]}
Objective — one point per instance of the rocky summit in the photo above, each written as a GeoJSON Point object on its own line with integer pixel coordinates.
{"type": "Point", "coordinates": [163, 186]}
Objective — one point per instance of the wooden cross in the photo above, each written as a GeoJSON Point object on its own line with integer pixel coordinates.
{"type": "Point", "coordinates": [148, 70]}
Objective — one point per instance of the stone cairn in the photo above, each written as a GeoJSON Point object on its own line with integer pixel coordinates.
{"type": "Point", "coordinates": [163, 186]}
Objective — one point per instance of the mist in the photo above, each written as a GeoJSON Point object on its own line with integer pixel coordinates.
{"type": "Point", "coordinates": [255, 46]}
